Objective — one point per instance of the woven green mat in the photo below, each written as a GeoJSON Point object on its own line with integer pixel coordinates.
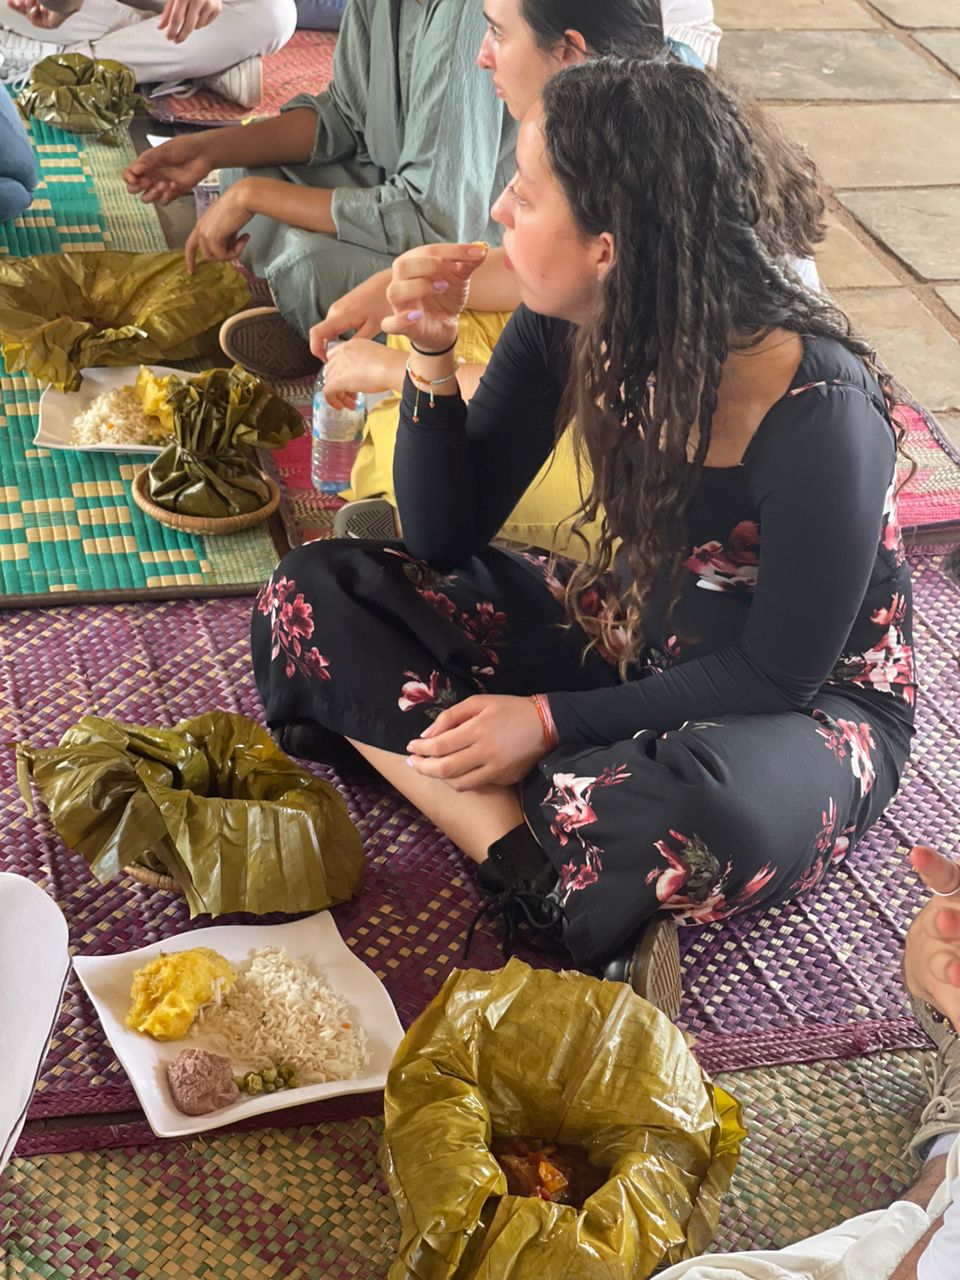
{"type": "Point", "coordinates": [69, 528]}
{"type": "Point", "coordinates": [826, 1142]}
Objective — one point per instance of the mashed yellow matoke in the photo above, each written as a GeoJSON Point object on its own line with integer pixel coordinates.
{"type": "Point", "coordinates": [167, 992]}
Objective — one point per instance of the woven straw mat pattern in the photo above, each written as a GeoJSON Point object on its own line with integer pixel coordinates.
{"type": "Point", "coordinates": [81, 202]}
{"type": "Point", "coordinates": [814, 979]}
{"type": "Point", "coordinates": [304, 65]}
{"type": "Point", "coordinates": [68, 523]}
{"type": "Point", "coordinates": [826, 1142]}
{"type": "Point", "coordinates": [932, 497]}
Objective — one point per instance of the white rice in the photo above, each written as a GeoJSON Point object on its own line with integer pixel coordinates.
{"type": "Point", "coordinates": [281, 1012]}
{"type": "Point", "coordinates": [117, 417]}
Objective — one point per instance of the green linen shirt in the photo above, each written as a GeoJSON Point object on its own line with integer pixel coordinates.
{"type": "Point", "coordinates": [408, 98]}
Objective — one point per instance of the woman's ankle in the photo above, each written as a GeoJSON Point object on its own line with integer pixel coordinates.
{"type": "Point", "coordinates": [517, 858]}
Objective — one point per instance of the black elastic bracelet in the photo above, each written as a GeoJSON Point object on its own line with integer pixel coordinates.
{"type": "Point", "coordinates": [420, 351]}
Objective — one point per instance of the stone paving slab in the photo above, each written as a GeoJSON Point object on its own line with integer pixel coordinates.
{"type": "Point", "coordinates": [897, 144]}
{"type": "Point", "coordinates": [920, 225]}
{"type": "Point", "coordinates": [799, 15]}
{"type": "Point", "coordinates": [853, 65]}
{"type": "Point", "coordinates": [944, 44]}
{"type": "Point", "coordinates": [951, 296]}
{"type": "Point", "coordinates": [917, 13]}
{"type": "Point", "coordinates": [844, 263]}
{"type": "Point", "coordinates": [915, 346]}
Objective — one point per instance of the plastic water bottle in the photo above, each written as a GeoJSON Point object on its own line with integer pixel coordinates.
{"type": "Point", "coordinates": [336, 440]}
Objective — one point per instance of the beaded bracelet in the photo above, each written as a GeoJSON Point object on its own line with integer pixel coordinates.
{"type": "Point", "coordinates": [550, 735]}
{"type": "Point", "coordinates": [427, 384]}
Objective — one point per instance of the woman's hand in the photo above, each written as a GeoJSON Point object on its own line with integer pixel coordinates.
{"type": "Point", "coordinates": [429, 290]}
{"type": "Point", "coordinates": [216, 236]}
{"type": "Point", "coordinates": [360, 312]}
{"type": "Point", "coordinates": [175, 167]}
{"type": "Point", "coordinates": [47, 19]}
{"type": "Point", "coordinates": [484, 740]}
{"type": "Point", "coordinates": [180, 18]}
{"type": "Point", "coordinates": [361, 365]}
{"type": "Point", "coordinates": [931, 963]}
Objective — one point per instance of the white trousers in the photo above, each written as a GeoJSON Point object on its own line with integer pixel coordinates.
{"type": "Point", "coordinates": [869, 1247]}
{"type": "Point", "coordinates": [691, 21]}
{"type": "Point", "coordinates": [106, 29]}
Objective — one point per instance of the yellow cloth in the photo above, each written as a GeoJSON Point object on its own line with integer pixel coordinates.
{"type": "Point", "coordinates": [553, 494]}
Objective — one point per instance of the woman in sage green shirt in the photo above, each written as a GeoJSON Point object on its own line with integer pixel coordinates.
{"type": "Point", "coordinates": [408, 146]}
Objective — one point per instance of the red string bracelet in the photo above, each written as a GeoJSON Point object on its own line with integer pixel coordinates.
{"type": "Point", "coordinates": [550, 735]}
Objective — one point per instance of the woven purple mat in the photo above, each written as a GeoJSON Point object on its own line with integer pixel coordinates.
{"type": "Point", "coordinates": [817, 979]}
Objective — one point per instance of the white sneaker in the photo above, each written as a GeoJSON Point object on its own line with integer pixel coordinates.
{"type": "Point", "coordinates": [20, 54]}
{"type": "Point", "coordinates": [241, 83]}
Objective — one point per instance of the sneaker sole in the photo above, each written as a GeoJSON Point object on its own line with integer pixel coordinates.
{"type": "Point", "coordinates": [264, 344]}
{"type": "Point", "coordinates": [369, 518]}
{"type": "Point", "coordinates": [654, 972]}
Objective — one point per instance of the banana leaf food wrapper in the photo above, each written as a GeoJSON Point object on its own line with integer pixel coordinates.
{"type": "Point", "coordinates": [82, 95]}
{"type": "Point", "coordinates": [62, 312]}
{"type": "Point", "coordinates": [212, 802]}
{"type": "Point", "coordinates": [527, 1052]}
{"type": "Point", "coordinates": [219, 420]}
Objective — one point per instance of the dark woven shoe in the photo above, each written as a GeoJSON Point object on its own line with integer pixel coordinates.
{"type": "Point", "coordinates": [651, 966]}
{"type": "Point", "coordinates": [262, 342]}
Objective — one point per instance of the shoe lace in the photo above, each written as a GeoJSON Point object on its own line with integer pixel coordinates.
{"type": "Point", "coordinates": [941, 1072]}
{"type": "Point", "coordinates": [519, 906]}
{"type": "Point", "coordinates": [15, 67]}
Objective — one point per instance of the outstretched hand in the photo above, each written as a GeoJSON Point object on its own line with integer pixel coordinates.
{"type": "Point", "coordinates": [932, 947]}
{"type": "Point", "coordinates": [490, 739]}
{"type": "Point", "coordinates": [169, 170]}
{"type": "Point", "coordinates": [42, 17]}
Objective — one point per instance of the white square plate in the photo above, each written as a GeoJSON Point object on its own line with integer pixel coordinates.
{"type": "Point", "coordinates": [315, 940]}
{"type": "Point", "coordinates": [59, 408]}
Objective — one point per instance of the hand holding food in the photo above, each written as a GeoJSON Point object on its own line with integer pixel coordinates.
{"type": "Point", "coordinates": [429, 290]}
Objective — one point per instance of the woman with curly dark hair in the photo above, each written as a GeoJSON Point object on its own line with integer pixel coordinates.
{"type": "Point", "coordinates": [705, 716]}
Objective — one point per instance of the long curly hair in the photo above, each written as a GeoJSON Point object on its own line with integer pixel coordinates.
{"type": "Point", "coordinates": [791, 221]}
{"type": "Point", "coordinates": [664, 158]}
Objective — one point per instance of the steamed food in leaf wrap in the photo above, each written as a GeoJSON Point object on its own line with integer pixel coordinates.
{"type": "Point", "coordinates": [62, 312]}
{"type": "Point", "coordinates": [219, 420]}
{"type": "Point", "coordinates": [213, 802]}
{"type": "Point", "coordinates": [567, 1069]}
{"type": "Point", "coordinates": [82, 95]}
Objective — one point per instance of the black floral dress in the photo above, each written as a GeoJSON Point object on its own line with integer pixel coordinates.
{"type": "Point", "coordinates": [766, 727]}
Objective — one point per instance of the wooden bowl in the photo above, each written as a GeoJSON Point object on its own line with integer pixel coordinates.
{"type": "Point", "coordinates": [204, 524]}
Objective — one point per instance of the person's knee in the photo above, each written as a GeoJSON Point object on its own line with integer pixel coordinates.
{"type": "Point", "coordinates": [14, 198]}
{"type": "Point", "coordinates": [270, 25]}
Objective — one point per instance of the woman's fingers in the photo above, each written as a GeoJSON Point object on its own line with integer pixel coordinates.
{"type": "Point", "coordinates": [938, 872]}
{"type": "Point", "coordinates": [437, 257]}
{"type": "Point", "coordinates": [947, 924]}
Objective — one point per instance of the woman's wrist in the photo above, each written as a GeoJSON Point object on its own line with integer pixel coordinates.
{"type": "Point", "coordinates": [550, 736]}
